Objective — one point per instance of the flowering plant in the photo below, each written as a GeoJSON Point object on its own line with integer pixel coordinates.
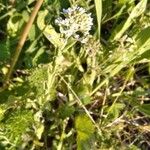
{"type": "Point", "coordinates": [77, 23]}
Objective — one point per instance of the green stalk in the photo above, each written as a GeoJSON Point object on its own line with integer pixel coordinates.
{"type": "Point", "coordinates": [22, 41]}
{"type": "Point", "coordinates": [98, 7]}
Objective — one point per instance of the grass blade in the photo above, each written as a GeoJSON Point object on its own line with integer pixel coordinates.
{"type": "Point", "coordinates": [136, 12]}
{"type": "Point", "coordinates": [98, 7]}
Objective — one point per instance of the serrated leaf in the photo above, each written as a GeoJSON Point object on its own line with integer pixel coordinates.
{"type": "Point", "coordinates": [4, 51]}
{"type": "Point", "coordinates": [66, 111]}
{"type": "Point", "coordinates": [15, 125]}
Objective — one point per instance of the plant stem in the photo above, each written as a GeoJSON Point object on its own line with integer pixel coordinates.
{"type": "Point", "coordinates": [22, 40]}
{"type": "Point", "coordinates": [7, 14]}
{"type": "Point", "coordinates": [63, 135]}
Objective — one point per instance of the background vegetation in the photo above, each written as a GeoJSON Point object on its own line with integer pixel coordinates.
{"type": "Point", "coordinates": [72, 95]}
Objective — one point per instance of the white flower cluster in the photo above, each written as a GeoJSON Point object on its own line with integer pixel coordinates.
{"type": "Point", "coordinates": [77, 23]}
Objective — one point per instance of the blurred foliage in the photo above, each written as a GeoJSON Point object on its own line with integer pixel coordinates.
{"type": "Point", "coordinates": [69, 95]}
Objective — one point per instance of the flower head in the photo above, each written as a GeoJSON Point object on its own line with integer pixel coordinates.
{"type": "Point", "coordinates": [77, 23]}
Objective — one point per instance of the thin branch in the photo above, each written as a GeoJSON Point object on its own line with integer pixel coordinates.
{"type": "Point", "coordinates": [82, 105]}
{"type": "Point", "coordinates": [22, 41]}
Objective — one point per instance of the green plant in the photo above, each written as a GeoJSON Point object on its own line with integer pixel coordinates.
{"type": "Point", "coordinates": [82, 79]}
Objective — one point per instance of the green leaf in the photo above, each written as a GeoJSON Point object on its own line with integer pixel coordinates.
{"type": "Point", "coordinates": [107, 8]}
{"type": "Point", "coordinates": [39, 130]}
{"type": "Point", "coordinates": [66, 111]}
{"type": "Point", "coordinates": [37, 78]}
{"type": "Point", "coordinates": [25, 14]}
{"type": "Point", "coordinates": [143, 38]}
{"type": "Point", "coordinates": [85, 130]}
{"type": "Point", "coordinates": [14, 25]}
{"type": "Point", "coordinates": [32, 33]}
{"type": "Point", "coordinates": [83, 91]}
{"type": "Point", "coordinates": [15, 125]}
{"type": "Point", "coordinates": [122, 2]}
{"type": "Point", "coordinates": [98, 7]}
{"type": "Point", "coordinates": [145, 108]}
{"type": "Point", "coordinates": [48, 30]}
{"type": "Point", "coordinates": [37, 55]}
{"type": "Point", "coordinates": [30, 1]}
{"type": "Point", "coordinates": [2, 112]}
{"type": "Point", "coordinates": [4, 51]}
{"type": "Point", "coordinates": [142, 41]}
{"type": "Point", "coordinates": [136, 12]}
{"type": "Point", "coordinates": [114, 110]}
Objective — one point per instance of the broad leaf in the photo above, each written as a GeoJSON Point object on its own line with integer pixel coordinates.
{"type": "Point", "coordinates": [48, 30]}
{"type": "Point", "coordinates": [85, 130]}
